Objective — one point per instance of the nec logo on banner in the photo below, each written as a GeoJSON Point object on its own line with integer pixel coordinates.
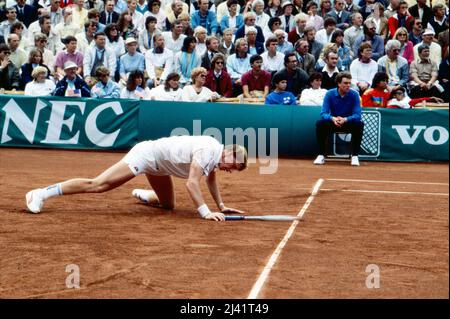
{"type": "Point", "coordinates": [57, 122]}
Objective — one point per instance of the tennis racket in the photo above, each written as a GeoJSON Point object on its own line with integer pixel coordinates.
{"type": "Point", "coordinates": [278, 218]}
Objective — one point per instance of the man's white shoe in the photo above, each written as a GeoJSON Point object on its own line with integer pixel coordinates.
{"type": "Point", "coordinates": [34, 200]}
{"type": "Point", "coordinates": [142, 194]}
{"type": "Point", "coordinates": [355, 161]}
{"type": "Point", "coordinates": [320, 160]}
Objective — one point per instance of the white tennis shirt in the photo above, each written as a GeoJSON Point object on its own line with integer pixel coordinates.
{"type": "Point", "coordinates": [174, 155]}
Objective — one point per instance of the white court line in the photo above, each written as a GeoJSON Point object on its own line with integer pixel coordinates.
{"type": "Point", "coordinates": [382, 192]}
{"type": "Point", "coordinates": [378, 181]}
{"type": "Point", "coordinates": [265, 273]}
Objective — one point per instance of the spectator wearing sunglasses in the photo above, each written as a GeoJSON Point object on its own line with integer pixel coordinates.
{"type": "Point", "coordinates": [217, 79]}
{"type": "Point", "coordinates": [415, 35]}
{"type": "Point", "coordinates": [407, 47]}
{"type": "Point", "coordinates": [197, 91]}
{"type": "Point", "coordinates": [395, 66]}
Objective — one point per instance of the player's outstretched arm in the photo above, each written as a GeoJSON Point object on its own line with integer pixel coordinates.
{"type": "Point", "coordinates": [193, 187]}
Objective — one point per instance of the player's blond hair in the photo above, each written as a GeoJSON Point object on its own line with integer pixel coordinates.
{"type": "Point", "coordinates": [240, 155]}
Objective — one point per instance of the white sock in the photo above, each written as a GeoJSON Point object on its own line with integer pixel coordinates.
{"type": "Point", "coordinates": [51, 191]}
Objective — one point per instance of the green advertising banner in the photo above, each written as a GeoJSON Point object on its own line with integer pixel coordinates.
{"type": "Point", "coordinates": [400, 135]}
{"type": "Point", "coordinates": [68, 123]}
{"type": "Point", "coordinates": [414, 135]}
{"type": "Point", "coordinates": [389, 135]}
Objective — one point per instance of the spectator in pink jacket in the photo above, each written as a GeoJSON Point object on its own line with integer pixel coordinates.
{"type": "Point", "coordinates": [407, 47]}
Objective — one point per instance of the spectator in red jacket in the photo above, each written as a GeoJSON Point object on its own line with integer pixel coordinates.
{"type": "Point", "coordinates": [217, 78]}
{"type": "Point", "coordinates": [377, 95]}
{"type": "Point", "coordinates": [400, 19]}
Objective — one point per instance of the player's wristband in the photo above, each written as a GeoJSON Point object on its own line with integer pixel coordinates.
{"type": "Point", "coordinates": [203, 210]}
{"type": "Point", "coordinates": [221, 206]}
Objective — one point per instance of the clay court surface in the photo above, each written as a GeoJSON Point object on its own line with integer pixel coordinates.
{"type": "Point", "coordinates": [394, 215]}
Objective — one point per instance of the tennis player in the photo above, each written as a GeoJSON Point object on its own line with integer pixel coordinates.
{"type": "Point", "coordinates": [189, 157]}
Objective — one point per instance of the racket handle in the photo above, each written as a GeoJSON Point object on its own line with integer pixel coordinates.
{"type": "Point", "coordinates": [234, 217]}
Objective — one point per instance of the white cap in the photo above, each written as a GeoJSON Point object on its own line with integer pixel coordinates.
{"type": "Point", "coordinates": [130, 40]}
{"type": "Point", "coordinates": [286, 3]}
{"type": "Point", "coordinates": [428, 32]}
{"type": "Point", "coordinates": [69, 65]}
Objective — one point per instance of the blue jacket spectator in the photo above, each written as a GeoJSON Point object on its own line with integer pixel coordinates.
{"type": "Point", "coordinates": [225, 23]}
{"type": "Point", "coordinates": [259, 46]}
{"type": "Point", "coordinates": [105, 88]}
{"type": "Point", "coordinates": [205, 18]}
{"type": "Point", "coordinates": [240, 33]}
{"type": "Point", "coordinates": [79, 87]}
{"type": "Point", "coordinates": [72, 85]}
{"type": "Point", "coordinates": [375, 40]}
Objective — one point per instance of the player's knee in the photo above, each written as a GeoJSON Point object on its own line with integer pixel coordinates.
{"type": "Point", "coordinates": [168, 205]}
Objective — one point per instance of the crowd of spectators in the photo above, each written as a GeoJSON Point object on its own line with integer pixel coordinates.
{"type": "Point", "coordinates": [277, 51]}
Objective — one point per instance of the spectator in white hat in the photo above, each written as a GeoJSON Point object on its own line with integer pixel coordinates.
{"type": "Point", "coordinates": [435, 48]}
{"type": "Point", "coordinates": [71, 84]}
{"type": "Point", "coordinates": [287, 19]}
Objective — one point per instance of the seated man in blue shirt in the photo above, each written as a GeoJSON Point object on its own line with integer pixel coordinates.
{"type": "Point", "coordinates": [341, 112]}
{"type": "Point", "coordinates": [279, 95]}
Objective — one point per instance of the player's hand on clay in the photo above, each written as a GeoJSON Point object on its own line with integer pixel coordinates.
{"type": "Point", "coordinates": [228, 210]}
{"type": "Point", "coordinates": [219, 217]}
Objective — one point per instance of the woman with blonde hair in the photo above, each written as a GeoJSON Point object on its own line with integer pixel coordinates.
{"type": "Point", "coordinates": [200, 35]}
{"type": "Point", "coordinates": [40, 86]}
{"type": "Point", "coordinates": [197, 91]}
{"type": "Point", "coordinates": [407, 47]}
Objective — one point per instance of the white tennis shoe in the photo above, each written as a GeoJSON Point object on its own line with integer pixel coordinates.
{"type": "Point", "coordinates": [320, 160]}
{"type": "Point", "coordinates": [142, 194]}
{"type": "Point", "coordinates": [34, 200]}
{"type": "Point", "coordinates": [355, 161]}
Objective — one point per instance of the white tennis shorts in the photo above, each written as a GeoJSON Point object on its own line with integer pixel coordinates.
{"type": "Point", "coordinates": [141, 160]}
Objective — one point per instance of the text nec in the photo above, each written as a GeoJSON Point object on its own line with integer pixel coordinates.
{"type": "Point", "coordinates": [13, 113]}
{"type": "Point", "coordinates": [433, 135]}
